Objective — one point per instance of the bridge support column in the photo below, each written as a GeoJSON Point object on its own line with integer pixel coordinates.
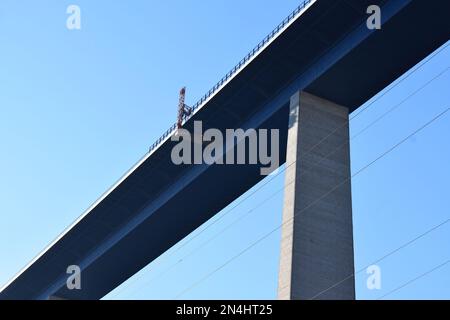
{"type": "Point", "coordinates": [316, 260]}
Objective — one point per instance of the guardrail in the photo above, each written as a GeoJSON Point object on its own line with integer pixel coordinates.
{"type": "Point", "coordinates": [233, 71]}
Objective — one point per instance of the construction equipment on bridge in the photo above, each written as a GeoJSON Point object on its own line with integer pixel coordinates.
{"type": "Point", "coordinates": [184, 111]}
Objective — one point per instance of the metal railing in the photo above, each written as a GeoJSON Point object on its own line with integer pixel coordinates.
{"type": "Point", "coordinates": [233, 71]}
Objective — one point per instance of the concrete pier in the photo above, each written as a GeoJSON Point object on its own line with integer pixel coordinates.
{"type": "Point", "coordinates": [317, 234]}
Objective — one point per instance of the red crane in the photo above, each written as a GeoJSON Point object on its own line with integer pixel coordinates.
{"type": "Point", "coordinates": [183, 110]}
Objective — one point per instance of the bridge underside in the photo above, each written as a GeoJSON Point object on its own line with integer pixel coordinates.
{"type": "Point", "coordinates": [327, 51]}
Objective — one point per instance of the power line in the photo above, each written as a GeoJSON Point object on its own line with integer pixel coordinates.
{"type": "Point", "coordinates": [420, 236]}
{"type": "Point", "coordinates": [208, 241]}
{"type": "Point", "coordinates": [390, 110]}
{"type": "Point", "coordinates": [281, 171]}
{"type": "Point", "coordinates": [403, 78]}
{"type": "Point", "coordinates": [261, 186]}
{"type": "Point", "coordinates": [315, 201]}
{"type": "Point", "coordinates": [415, 279]}
{"type": "Point", "coordinates": [400, 103]}
{"type": "Point", "coordinates": [342, 127]}
{"type": "Point", "coordinates": [419, 66]}
{"type": "Point", "coordinates": [324, 139]}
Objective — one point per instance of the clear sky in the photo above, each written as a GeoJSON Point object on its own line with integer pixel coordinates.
{"type": "Point", "coordinates": [78, 108]}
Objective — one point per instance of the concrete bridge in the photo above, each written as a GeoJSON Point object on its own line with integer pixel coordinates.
{"type": "Point", "coordinates": [304, 79]}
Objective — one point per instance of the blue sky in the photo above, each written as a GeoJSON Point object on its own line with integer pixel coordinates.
{"type": "Point", "coordinates": [79, 108]}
